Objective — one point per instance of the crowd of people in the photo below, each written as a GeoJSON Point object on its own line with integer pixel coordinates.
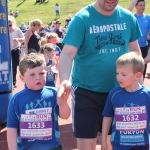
{"type": "Point", "coordinates": [106, 50]}
{"type": "Point", "coordinates": [34, 36]}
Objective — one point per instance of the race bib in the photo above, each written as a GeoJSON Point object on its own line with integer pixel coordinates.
{"type": "Point", "coordinates": [36, 125]}
{"type": "Point", "coordinates": [131, 122]}
{"type": "Point", "coordinates": [131, 118]}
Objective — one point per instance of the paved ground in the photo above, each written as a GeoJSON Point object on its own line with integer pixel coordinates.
{"type": "Point", "coordinates": [67, 139]}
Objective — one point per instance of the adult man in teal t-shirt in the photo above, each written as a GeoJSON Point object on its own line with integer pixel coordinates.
{"type": "Point", "coordinates": [97, 35]}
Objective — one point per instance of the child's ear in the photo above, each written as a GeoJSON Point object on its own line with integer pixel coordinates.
{"type": "Point", "coordinates": [22, 78]}
{"type": "Point", "coordinates": [139, 75]}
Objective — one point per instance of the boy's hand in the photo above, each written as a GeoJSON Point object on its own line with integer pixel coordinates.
{"type": "Point", "coordinates": [104, 146]}
{"type": "Point", "coordinates": [63, 92]}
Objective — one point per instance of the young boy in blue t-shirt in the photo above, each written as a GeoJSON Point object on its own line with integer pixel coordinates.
{"type": "Point", "coordinates": [128, 106]}
{"type": "Point", "coordinates": [33, 112]}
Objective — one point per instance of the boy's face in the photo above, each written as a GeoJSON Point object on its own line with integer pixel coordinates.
{"type": "Point", "coordinates": [34, 78]}
{"type": "Point", "coordinates": [127, 78]}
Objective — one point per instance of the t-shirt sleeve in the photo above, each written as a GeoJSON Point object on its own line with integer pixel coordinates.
{"type": "Point", "coordinates": [135, 29]}
{"type": "Point", "coordinates": [75, 33]}
{"type": "Point", "coordinates": [108, 109]}
{"type": "Point", "coordinates": [12, 117]}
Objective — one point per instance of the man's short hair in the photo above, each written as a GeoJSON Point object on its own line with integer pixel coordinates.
{"type": "Point", "coordinates": [133, 59]}
{"type": "Point", "coordinates": [31, 61]}
{"type": "Point", "coordinates": [139, 1]}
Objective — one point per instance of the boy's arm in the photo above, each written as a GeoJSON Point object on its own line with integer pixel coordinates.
{"type": "Point", "coordinates": [12, 138]}
{"type": "Point", "coordinates": [131, 6]}
{"type": "Point", "coordinates": [64, 109]}
{"type": "Point", "coordinates": [105, 129]}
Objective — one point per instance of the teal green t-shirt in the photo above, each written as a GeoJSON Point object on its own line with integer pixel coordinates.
{"type": "Point", "coordinates": [100, 41]}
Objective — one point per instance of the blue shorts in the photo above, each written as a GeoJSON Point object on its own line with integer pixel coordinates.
{"type": "Point", "coordinates": [87, 108]}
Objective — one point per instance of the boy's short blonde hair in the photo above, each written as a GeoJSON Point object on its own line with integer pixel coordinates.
{"type": "Point", "coordinates": [134, 59]}
{"type": "Point", "coordinates": [49, 47]}
{"type": "Point", "coordinates": [31, 61]}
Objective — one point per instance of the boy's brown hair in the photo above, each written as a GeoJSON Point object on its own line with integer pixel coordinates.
{"type": "Point", "coordinates": [133, 59]}
{"type": "Point", "coordinates": [31, 61]}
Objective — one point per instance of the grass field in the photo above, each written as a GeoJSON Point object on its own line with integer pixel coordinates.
{"type": "Point", "coordinates": [30, 10]}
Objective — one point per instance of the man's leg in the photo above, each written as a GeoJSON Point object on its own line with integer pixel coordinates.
{"type": "Point", "coordinates": [86, 144]}
{"type": "Point", "coordinates": [87, 107]}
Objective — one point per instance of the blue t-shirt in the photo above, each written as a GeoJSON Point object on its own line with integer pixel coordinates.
{"type": "Point", "coordinates": [131, 117]}
{"type": "Point", "coordinates": [50, 78]}
{"type": "Point", "coordinates": [144, 23]}
{"type": "Point", "coordinates": [38, 108]}
{"type": "Point", "coordinates": [100, 41]}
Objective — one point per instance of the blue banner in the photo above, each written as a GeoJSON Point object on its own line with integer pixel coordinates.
{"type": "Point", "coordinates": [5, 62]}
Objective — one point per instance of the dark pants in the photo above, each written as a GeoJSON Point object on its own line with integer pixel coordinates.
{"type": "Point", "coordinates": [144, 51]}
{"type": "Point", "coordinates": [15, 62]}
{"type": "Point", "coordinates": [57, 148]}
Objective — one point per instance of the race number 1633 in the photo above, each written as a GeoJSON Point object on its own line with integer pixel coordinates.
{"type": "Point", "coordinates": [36, 125]}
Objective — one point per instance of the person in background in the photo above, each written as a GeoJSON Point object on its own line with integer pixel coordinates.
{"type": "Point", "coordinates": [16, 38]}
{"type": "Point", "coordinates": [53, 38]}
{"type": "Point", "coordinates": [11, 13]}
{"type": "Point", "coordinates": [58, 29]}
{"type": "Point", "coordinates": [16, 13]}
{"type": "Point", "coordinates": [42, 32]}
{"type": "Point", "coordinates": [97, 36]}
{"type": "Point", "coordinates": [144, 23]}
{"type": "Point", "coordinates": [23, 27]}
{"type": "Point", "coordinates": [128, 106]}
{"type": "Point", "coordinates": [66, 24]}
{"type": "Point", "coordinates": [49, 52]}
{"type": "Point", "coordinates": [53, 25]}
{"type": "Point", "coordinates": [27, 107]}
{"type": "Point", "coordinates": [57, 9]}
{"type": "Point", "coordinates": [32, 39]}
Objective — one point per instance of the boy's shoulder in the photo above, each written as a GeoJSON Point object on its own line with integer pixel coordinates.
{"type": "Point", "coordinates": [54, 89]}
{"type": "Point", "coordinates": [146, 89]}
{"type": "Point", "coordinates": [115, 90]}
{"type": "Point", "coordinates": [26, 91]}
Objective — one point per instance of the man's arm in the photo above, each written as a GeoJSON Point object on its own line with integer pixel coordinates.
{"type": "Point", "coordinates": [65, 65]}
{"type": "Point", "coordinates": [12, 138]}
{"type": "Point", "coordinates": [131, 6]}
{"type": "Point", "coordinates": [105, 129]}
{"type": "Point", "coordinates": [134, 46]}
{"type": "Point", "coordinates": [65, 61]}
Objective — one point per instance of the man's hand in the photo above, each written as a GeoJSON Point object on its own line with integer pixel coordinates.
{"type": "Point", "coordinates": [63, 92]}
